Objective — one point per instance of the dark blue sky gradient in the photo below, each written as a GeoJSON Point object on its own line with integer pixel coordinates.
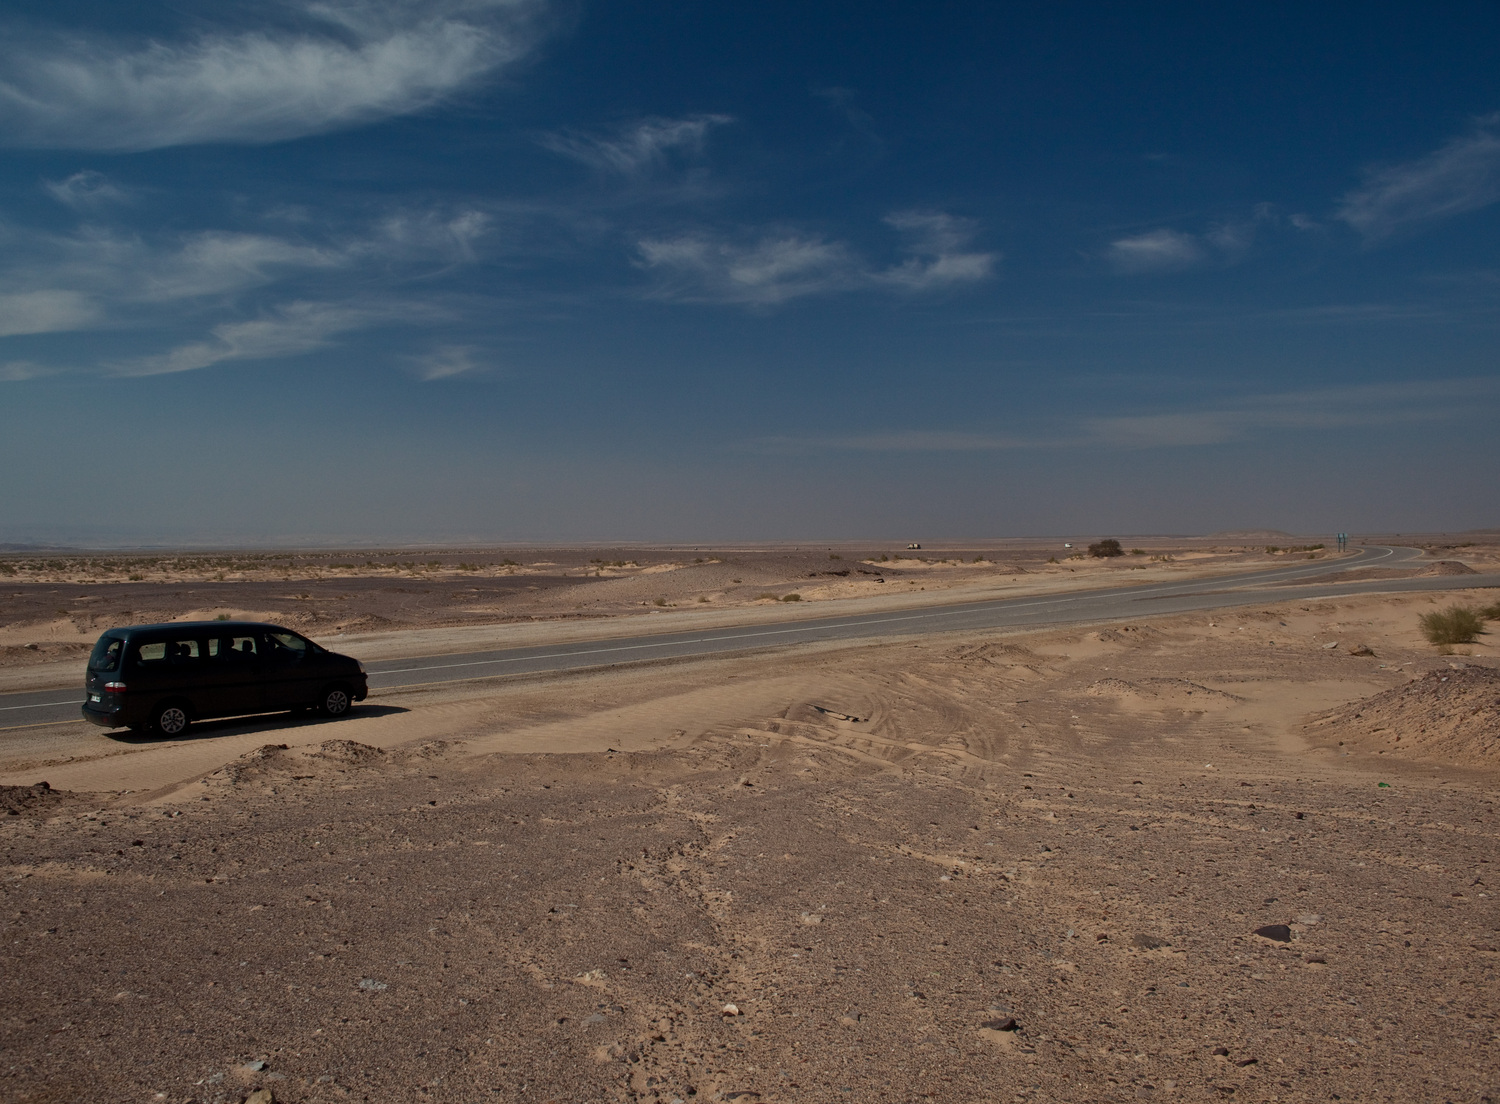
{"type": "Point", "coordinates": [705, 272]}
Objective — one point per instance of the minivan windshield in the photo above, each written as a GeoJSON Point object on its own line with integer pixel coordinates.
{"type": "Point", "coordinates": [107, 654]}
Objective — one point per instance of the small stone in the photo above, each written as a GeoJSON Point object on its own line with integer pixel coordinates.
{"type": "Point", "coordinates": [1330, 645]}
{"type": "Point", "coordinates": [1148, 942]}
{"type": "Point", "coordinates": [255, 1067]}
{"type": "Point", "coordinates": [1362, 650]}
{"type": "Point", "coordinates": [260, 1096]}
{"type": "Point", "coordinates": [731, 1010]}
{"type": "Point", "coordinates": [1246, 1061]}
{"type": "Point", "coordinates": [1278, 932]}
{"type": "Point", "coordinates": [372, 985]}
{"type": "Point", "coordinates": [1221, 1052]}
{"type": "Point", "coordinates": [1006, 1024]}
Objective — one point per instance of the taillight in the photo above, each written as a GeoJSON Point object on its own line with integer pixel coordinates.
{"type": "Point", "coordinates": [114, 688]}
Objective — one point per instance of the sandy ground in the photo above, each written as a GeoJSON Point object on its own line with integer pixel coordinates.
{"type": "Point", "coordinates": [1020, 866]}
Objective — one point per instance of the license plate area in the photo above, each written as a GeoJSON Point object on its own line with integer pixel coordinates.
{"type": "Point", "coordinates": [94, 698]}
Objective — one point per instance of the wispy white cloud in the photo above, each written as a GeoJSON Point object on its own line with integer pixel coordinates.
{"type": "Point", "coordinates": [46, 311]}
{"type": "Point", "coordinates": [1165, 250]}
{"type": "Point", "coordinates": [448, 362]}
{"type": "Point", "coordinates": [1156, 251]}
{"type": "Point", "coordinates": [99, 278]}
{"type": "Point", "coordinates": [1239, 419]}
{"type": "Point", "coordinates": [1462, 175]}
{"type": "Point", "coordinates": [85, 190]}
{"type": "Point", "coordinates": [937, 245]}
{"type": "Point", "coordinates": [773, 270]}
{"type": "Point", "coordinates": [638, 147]}
{"type": "Point", "coordinates": [780, 267]}
{"type": "Point", "coordinates": [14, 371]}
{"type": "Point", "coordinates": [345, 64]}
{"type": "Point", "coordinates": [288, 331]}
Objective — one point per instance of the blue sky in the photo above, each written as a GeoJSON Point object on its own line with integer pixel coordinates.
{"type": "Point", "coordinates": [517, 270]}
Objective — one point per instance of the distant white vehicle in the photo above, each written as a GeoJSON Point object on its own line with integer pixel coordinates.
{"type": "Point", "coordinates": [1067, 546]}
{"type": "Point", "coordinates": [913, 546]}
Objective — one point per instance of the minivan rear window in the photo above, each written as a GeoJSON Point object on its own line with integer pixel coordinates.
{"type": "Point", "coordinates": [107, 654]}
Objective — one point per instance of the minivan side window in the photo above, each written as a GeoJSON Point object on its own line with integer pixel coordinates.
{"type": "Point", "coordinates": [287, 647]}
{"type": "Point", "coordinates": [182, 651]}
{"type": "Point", "coordinates": [232, 648]}
{"type": "Point", "coordinates": [153, 652]}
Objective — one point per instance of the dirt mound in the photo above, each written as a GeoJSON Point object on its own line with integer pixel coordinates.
{"type": "Point", "coordinates": [36, 798]}
{"type": "Point", "coordinates": [251, 765]}
{"type": "Point", "coordinates": [1449, 567]}
{"type": "Point", "coordinates": [1450, 714]}
{"type": "Point", "coordinates": [349, 752]}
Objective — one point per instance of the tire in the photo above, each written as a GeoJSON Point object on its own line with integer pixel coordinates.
{"type": "Point", "coordinates": [170, 719]}
{"type": "Point", "coordinates": [335, 701]}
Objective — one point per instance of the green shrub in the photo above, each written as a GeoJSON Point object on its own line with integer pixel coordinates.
{"type": "Point", "coordinates": [1106, 548]}
{"type": "Point", "coordinates": [1490, 612]}
{"type": "Point", "coordinates": [792, 598]}
{"type": "Point", "coordinates": [1454, 625]}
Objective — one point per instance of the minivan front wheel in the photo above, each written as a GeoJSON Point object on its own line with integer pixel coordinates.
{"type": "Point", "coordinates": [335, 702]}
{"type": "Point", "coordinates": [170, 719]}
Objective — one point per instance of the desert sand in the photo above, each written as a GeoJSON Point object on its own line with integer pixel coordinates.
{"type": "Point", "coordinates": [1020, 866]}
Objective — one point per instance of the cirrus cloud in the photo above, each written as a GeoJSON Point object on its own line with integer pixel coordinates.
{"type": "Point", "coordinates": [1460, 176]}
{"type": "Point", "coordinates": [344, 65]}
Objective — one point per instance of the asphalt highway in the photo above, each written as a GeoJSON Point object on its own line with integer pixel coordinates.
{"type": "Point", "coordinates": [1111, 604]}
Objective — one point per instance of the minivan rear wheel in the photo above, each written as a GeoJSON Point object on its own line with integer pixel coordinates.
{"type": "Point", "coordinates": [170, 719]}
{"type": "Point", "coordinates": [335, 701]}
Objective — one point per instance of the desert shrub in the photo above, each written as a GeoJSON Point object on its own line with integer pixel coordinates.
{"type": "Point", "coordinates": [1137, 551]}
{"type": "Point", "coordinates": [773, 597]}
{"type": "Point", "coordinates": [222, 617]}
{"type": "Point", "coordinates": [661, 602]}
{"type": "Point", "coordinates": [1454, 625]}
{"type": "Point", "coordinates": [1490, 612]}
{"type": "Point", "coordinates": [1106, 548]}
{"type": "Point", "coordinates": [834, 556]}
{"type": "Point", "coordinates": [792, 598]}
{"type": "Point", "coordinates": [1051, 559]}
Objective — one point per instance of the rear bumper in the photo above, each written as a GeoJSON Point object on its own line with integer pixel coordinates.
{"type": "Point", "coordinates": [104, 718]}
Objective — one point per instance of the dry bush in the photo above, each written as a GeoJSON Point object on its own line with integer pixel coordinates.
{"type": "Point", "coordinates": [1105, 548]}
{"type": "Point", "coordinates": [1454, 625]}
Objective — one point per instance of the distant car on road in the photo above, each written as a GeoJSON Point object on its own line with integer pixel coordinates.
{"type": "Point", "coordinates": [162, 678]}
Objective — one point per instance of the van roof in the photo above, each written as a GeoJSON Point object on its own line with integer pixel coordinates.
{"type": "Point", "coordinates": [179, 626]}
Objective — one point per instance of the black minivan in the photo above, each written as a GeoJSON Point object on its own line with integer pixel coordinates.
{"type": "Point", "coordinates": [162, 678]}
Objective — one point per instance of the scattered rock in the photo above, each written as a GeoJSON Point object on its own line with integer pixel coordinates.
{"type": "Point", "coordinates": [255, 1067]}
{"type": "Point", "coordinates": [372, 985]}
{"type": "Point", "coordinates": [1280, 933]}
{"type": "Point", "coordinates": [1330, 645]}
{"type": "Point", "coordinates": [1148, 942]}
{"type": "Point", "coordinates": [1221, 1052]}
{"type": "Point", "coordinates": [1008, 1023]}
{"type": "Point", "coordinates": [731, 1010]}
{"type": "Point", "coordinates": [1362, 650]}
{"type": "Point", "coordinates": [1246, 1061]}
{"type": "Point", "coordinates": [260, 1096]}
